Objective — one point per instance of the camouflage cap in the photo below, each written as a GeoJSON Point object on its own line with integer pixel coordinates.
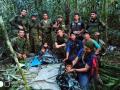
{"type": "Point", "coordinates": [23, 10]}
{"type": "Point", "coordinates": [59, 16]}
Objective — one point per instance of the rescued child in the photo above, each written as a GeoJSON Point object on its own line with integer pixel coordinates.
{"type": "Point", "coordinates": [67, 80]}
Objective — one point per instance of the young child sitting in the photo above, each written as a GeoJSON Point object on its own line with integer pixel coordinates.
{"type": "Point", "coordinates": [43, 50]}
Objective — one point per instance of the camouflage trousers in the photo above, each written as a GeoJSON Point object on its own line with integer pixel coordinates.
{"type": "Point", "coordinates": [47, 38]}
{"type": "Point", "coordinates": [35, 43]}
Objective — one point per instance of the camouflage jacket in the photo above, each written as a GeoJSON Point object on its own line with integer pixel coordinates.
{"type": "Point", "coordinates": [18, 20]}
{"type": "Point", "coordinates": [19, 45]}
{"type": "Point", "coordinates": [46, 26]}
{"type": "Point", "coordinates": [34, 28]}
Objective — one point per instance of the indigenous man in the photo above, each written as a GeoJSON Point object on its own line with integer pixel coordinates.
{"type": "Point", "coordinates": [85, 66]}
{"type": "Point", "coordinates": [74, 48]}
{"type": "Point", "coordinates": [95, 48]}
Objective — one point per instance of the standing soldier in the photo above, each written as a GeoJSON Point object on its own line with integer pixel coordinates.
{"type": "Point", "coordinates": [59, 23]}
{"type": "Point", "coordinates": [34, 34]}
{"type": "Point", "coordinates": [46, 25]}
{"type": "Point", "coordinates": [19, 22]}
{"type": "Point", "coordinates": [77, 26]}
{"type": "Point", "coordinates": [94, 24]}
{"type": "Point", "coordinates": [20, 44]}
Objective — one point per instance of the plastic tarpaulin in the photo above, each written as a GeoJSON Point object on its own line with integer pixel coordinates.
{"type": "Point", "coordinates": [46, 78]}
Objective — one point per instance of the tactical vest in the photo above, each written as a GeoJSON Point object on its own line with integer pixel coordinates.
{"type": "Point", "coordinates": [46, 30]}
{"type": "Point", "coordinates": [76, 26]}
{"type": "Point", "coordinates": [93, 26]}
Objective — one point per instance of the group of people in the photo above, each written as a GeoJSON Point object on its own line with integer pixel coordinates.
{"type": "Point", "coordinates": [79, 45]}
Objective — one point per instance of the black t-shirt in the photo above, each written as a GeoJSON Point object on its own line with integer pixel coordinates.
{"type": "Point", "coordinates": [60, 40]}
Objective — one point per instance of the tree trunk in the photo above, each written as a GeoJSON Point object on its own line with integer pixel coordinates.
{"type": "Point", "coordinates": [76, 6]}
{"type": "Point", "coordinates": [106, 15]}
{"type": "Point", "coordinates": [67, 13]}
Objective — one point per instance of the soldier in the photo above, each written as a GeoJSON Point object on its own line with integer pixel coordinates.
{"type": "Point", "coordinates": [19, 22]}
{"type": "Point", "coordinates": [46, 25]}
{"type": "Point", "coordinates": [94, 24]}
{"type": "Point", "coordinates": [34, 34]}
{"type": "Point", "coordinates": [19, 44]}
{"type": "Point", "coordinates": [77, 26]}
{"type": "Point", "coordinates": [59, 23]}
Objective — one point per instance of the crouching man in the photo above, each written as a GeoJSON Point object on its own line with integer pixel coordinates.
{"type": "Point", "coordinates": [60, 43]}
{"type": "Point", "coordinates": [84, 68]}
{"type": "Point", "coordinates": [20, 45]}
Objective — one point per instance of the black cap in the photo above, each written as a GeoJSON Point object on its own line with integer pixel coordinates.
{"type": "Point", "coordinates": [72, 33]}
{"type": "Point", "coordinates": [76, 14]}
{"type": "Point", "coordinates": [94, 12]}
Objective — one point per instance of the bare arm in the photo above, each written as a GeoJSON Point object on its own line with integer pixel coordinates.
{"type": "Point", "coordinates": [58, 46]}
{"type": "Point", "coordinates": [67, 55]}
{"type": "Point", "coordinates": [75, 60]}
{"type": "Point", "coordinates": [85, 69]}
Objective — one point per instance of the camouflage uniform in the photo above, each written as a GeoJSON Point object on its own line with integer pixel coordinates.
{"type": "Point", "coordinates": [34, 35]}
{"type": "Point", "coordinates": [62, 25]}
{"type": "Point", "coordinates": [16, 21]}
{"type": "Point", "coordinates": [46, 32]}
{"type": "Point", "coordinates": [94, 26]}
{"type": "Point", "coordinates": [58, 25]}
{"type": "Point", "coordinates": [20, 45]}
